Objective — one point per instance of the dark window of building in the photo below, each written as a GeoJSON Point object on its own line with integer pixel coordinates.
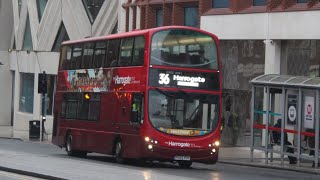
{"type": "Point", "coordinates": [99, 54]}
{"type": "Point", "coordinates": [115, 29]}
{"type": "Point", "coordinates": [138, 53]}
{"type": "Point", "coordinates": [61, 36]}
{"type": "Point", "coordinates": [159, 17]}
{"type": "Point", "coordinates": [76, 56]}
{"type": "Point", "coordinates": [92, 7]}
{"type": "Point", "coordinates": [126, 52]}
{"type": "Point", "coordinates": [259, 2]}
{"type": "Point", "coordinates": [191, 16]}
{"type": "Point", "coordinates": [220, 3]}
{"type": "Point", "coordinates": [113, 52]}
{"type": "Point", "coordinates": [41, 5]}
{"type": "Point", "coordinates": [19, 6]}
{"type": "Point", "coordinates": [302, 1]}
{"type": "Point", "coordinates": [26, 92]}
{"type": "Point", "coordinates": [27, 40]}
{"type": "Point", "coordinates": [87, 55]}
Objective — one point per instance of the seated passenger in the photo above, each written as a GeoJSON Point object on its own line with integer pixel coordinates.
{"type": "Point", "coordinates": [277, 139]}
{"type": "Point", "coordinates": [311, 141]}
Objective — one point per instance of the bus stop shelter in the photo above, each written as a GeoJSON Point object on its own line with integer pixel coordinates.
{"type": "Point", "coordinates": [293, 101]}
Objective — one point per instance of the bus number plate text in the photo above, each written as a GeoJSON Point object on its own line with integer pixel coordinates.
{"type": "Point", "coordinates": [182, 158]}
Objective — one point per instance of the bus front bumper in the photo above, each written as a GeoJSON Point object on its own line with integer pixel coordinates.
{"type": "Point", "coordinates": [170, 154]}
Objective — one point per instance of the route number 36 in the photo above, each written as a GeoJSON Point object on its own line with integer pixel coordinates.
{"type": "Point", "coordinates": [164, 78]}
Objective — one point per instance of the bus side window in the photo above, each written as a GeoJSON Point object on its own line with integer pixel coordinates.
{"type": "Point", "coordinates": [76, 57]}
{"type": "Point", "coordinates": [126, 52]}
{"type": "Point", "coordinates": [87, 55]}
{"type": "Point", "coordinates": [138, 52]}
{"type": "Point", "coordinates": [113, 52]}
{"type": "Point", "coordinates": [99, 54]}
{"type": "Point", "coordinates": [66, 58]}
{"type": "Point", "coordinates": [137, 105]}
{"type": "Point", "coordinates": [71, 106]}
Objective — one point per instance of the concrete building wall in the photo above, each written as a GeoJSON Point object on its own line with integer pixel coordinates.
{"type": "Point", "coordinates": [73, 15]}
{"type": "Point", "coordinates": [6, 29]}
{"type": "Point", "coordinates": [275, 26]}
{"type": "Point", "coordinates": [290, 44]}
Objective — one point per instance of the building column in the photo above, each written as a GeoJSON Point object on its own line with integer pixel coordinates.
{"type": "Point", "coordinates": [138, 18]}
{"type": "Point", "coordinates": [272, 66]}
{"type": "Point", "coordinates": [272, 56]}
{"type": "Point", "coordinates": [36, 95]}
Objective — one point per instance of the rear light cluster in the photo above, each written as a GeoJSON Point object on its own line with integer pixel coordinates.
{"type": "Point", "coordinates": [150, 142]}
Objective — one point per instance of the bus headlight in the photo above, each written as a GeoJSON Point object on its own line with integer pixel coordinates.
{"type": "Point", "coordinates": [150, 146]}
{"type": "Point", "coordinates": [147, 139]}
{"type": "Point", "coordinates": [214, 150]}
{"type": "Point", "coordinates": [217, 143]}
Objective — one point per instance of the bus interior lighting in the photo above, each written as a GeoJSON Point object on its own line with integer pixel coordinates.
{"type": "Point", "coordinates": [86, 96]}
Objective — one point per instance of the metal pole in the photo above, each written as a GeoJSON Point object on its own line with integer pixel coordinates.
{"type": "Point", "coordinates": [43, 112]}
{"type": "Point", "coordinates": [299, 127]}
{"type": "Point", "coordinates": [43, 115]}
{"type": "Point", "coordinates": [283, 112]}
{"type": "Point", "coordinates": [251, 124]}
{"type": "Point", "coordinates": [316, 152]}
{"type": "Point", "coordinates": [267, 125]}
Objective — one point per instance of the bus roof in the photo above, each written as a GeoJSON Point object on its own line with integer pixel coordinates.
{"type": "Point", "coordinates": [131, 33]}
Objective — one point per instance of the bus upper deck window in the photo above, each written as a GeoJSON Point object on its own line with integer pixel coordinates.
{"type": "Point", "coordinates": [113, 52]}
{"type": "Point", "coordinates": [138, 52]}
{"type": "Point", "coordinates": [99, 54]}
{"type": "Point", "coordinates": [66, 57]}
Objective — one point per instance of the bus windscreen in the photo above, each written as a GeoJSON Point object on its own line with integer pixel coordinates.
{"type": "Point", "coordinates": [183, 48]}
{"type": "Point", "coordinates": [182, 113]}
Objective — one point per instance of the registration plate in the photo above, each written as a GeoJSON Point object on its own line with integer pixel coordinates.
{"type": "Point", "coordinates": [182, 158]}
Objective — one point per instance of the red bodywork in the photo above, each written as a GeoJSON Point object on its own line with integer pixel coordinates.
{"type": "Point", "coordinates": [99, 136]}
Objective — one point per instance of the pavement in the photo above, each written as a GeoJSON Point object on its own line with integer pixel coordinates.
{"type": "Point", "coordinates": [227, 155]}
{"type": "Point", "coordinates": [241, 156]}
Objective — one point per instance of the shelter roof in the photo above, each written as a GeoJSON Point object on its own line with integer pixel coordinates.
{"type": "Point", "coordinates": [286, 80]}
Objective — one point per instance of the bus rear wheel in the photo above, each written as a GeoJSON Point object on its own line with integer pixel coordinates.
{"type": "Point", "coordinates": [185, 164]}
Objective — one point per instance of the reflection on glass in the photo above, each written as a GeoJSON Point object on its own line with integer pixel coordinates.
{"type": "Point", "coordinates": [184, 48]}
{"type": "Point", "coordinates": [182, 113]}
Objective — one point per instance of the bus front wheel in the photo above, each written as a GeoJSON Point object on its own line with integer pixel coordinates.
{"type": "Point", "coordinates": [118, 152]}
{"type": "Point", "coordinates": [70, 150]}
{"type": "Point", "coordinates": [185, 164]}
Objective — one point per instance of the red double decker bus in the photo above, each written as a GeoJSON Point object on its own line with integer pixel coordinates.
{"type": "Point", "coordinates": [151, 94]}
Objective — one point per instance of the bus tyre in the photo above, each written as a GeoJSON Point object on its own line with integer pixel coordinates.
{"type": "Point", "coordinates": [118, 152]}
{"type": "Point", "coordinates": [72, 152]}
{"type": "Point", "coordinates": [69, 149]}
{"type": "Point", "coordinates": [185, 164]}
